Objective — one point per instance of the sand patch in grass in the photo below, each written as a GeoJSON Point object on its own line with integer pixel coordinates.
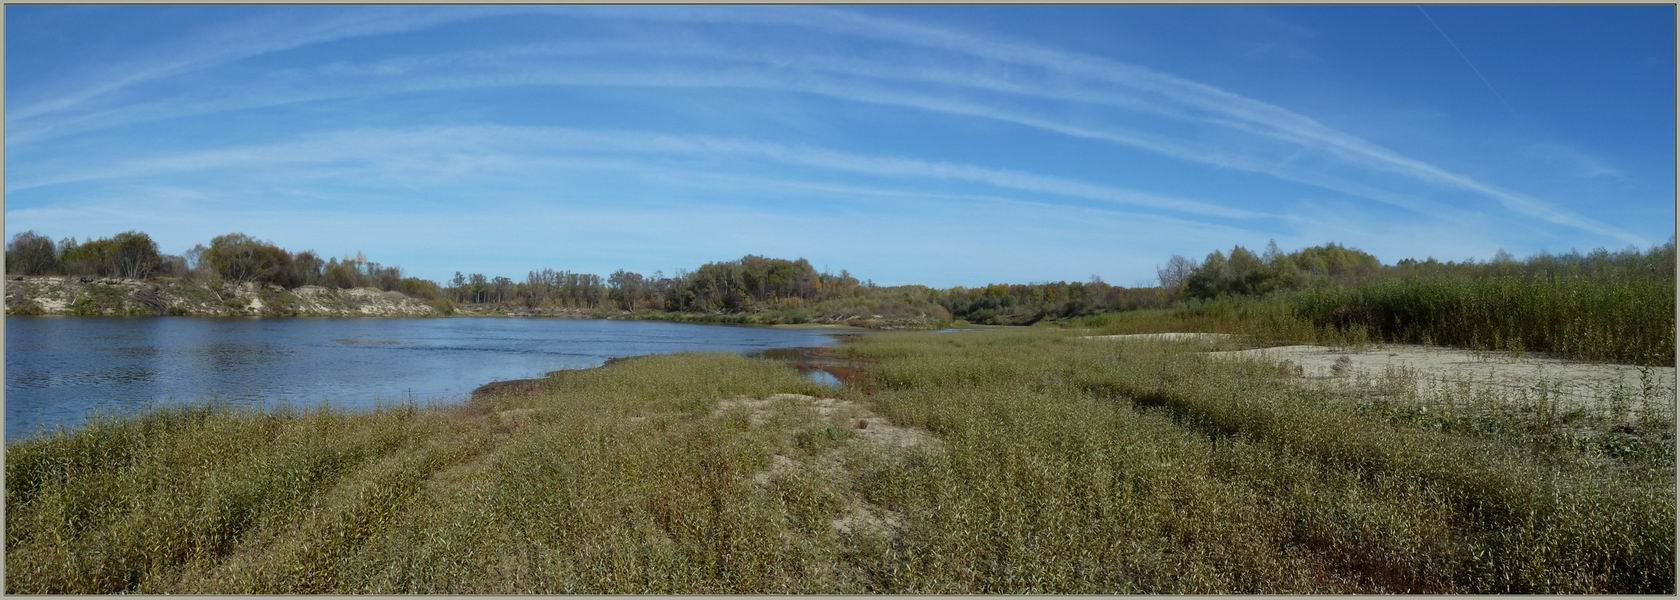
{"type": "Point", "coordinates": [850, 428]}
{"type": "Point", "coordinates": [1435, 369]}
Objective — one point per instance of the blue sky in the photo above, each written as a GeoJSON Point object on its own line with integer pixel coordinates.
{"type": "Point", "coordinates": [937, 145]}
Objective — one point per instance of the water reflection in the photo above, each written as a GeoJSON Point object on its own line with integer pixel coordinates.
{"type": "Point", "coordinates": [61, 369]}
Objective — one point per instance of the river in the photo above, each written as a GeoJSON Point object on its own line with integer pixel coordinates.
{"type": "Point", "coordinates": [62, 370]}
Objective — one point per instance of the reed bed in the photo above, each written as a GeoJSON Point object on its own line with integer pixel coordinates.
{"type": "Point", "coordinates": [1622, 319]}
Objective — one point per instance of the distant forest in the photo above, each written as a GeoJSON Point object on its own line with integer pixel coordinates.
{"type": "Point", "coordinates": [1327, 284]}
{"type": "Point", "coordinates": [777, 290]}
{"type": "Point", "coordinates": [795, 291]}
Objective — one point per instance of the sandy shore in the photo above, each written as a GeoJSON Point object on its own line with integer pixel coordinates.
{"type": "Point", "coordinates": [1435, 369]}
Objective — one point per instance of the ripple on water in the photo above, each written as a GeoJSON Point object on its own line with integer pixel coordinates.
{"type": "Point", "coordinates": [61, 370]}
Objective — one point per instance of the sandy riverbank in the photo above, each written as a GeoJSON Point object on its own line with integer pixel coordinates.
{"type": "Point", "coordinates": [1435, 369]}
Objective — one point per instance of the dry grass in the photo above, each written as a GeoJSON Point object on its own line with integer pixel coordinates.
{"type": "Point", "coordinates": [997, 461]}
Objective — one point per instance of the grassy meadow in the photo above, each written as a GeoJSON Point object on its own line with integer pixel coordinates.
{"type": "Point", "coordinates": [981, 461]}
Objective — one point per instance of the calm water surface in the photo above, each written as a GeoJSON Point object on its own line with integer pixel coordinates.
{"type": "Point", "coordinates": [61, 370]}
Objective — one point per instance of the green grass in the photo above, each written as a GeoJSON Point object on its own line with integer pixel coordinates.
{"type": "Point", "coordinates": [1615, 319]}
{"type": "Point", "coordinates": [95, 300]}
{"type": "Point", "coordinates": [1062, 465]}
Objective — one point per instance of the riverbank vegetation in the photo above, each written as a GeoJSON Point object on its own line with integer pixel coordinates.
{"type": "Point", "coordinates": [761, 290]}
{"type": "Point", "coordinates": [234, 258]}
{"type": "Point", "coordinates": [1024, 460]}
{"type": "Point", "coordinates": [750, 290]}
{"type": "Point", "coordinates": [1600, 306]}
{"type": "Point", "coordinates": [1595, 306]}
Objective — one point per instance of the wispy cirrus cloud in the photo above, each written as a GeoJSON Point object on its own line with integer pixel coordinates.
{"type": "Point", "coordinates": [1265, 117]}
{"type": "Point", "coordinates": [446, 149]}
{"type": "Point", "coordinates": [877, 111]}
{"type": "Point", "coordinates": [488, 69]}
{"type": "Point", "coordinates": [984, 239]}
{"type": "Point", "coordinates": [240, 40]}
{"type": "Point", "coordinates": [1572, 160]}
{"type": "Point", "coordinates": [1048, 74]}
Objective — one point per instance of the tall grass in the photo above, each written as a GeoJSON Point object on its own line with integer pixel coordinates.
{"type": "Point", "coordinates": [1310, 495]}
{"type": "Point", "coordinates": [1616, 319]}
{"type": "Point", "coordinates": [1621, 319]}
{"type": "Point", "coordinates": [1063, 465]}
{"type": "Point", "coordinates": [1267, 321]}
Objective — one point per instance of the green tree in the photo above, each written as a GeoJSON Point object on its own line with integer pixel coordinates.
{"type": "Point", "coordinates": [628, 288]}
{"type": "Point", "coordinates": [134, 255]}
{"type": "Point", "coordinates": [130, 254]}
{"type": "Point", "coordinates": [239, 257]}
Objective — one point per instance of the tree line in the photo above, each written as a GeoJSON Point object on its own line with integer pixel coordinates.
{"type": "Point", "coordinates": [794, 291]}
{"type": "Point", "coordinates": [744, 285]}
{"type": "Point", "coordinates": [1244, 273]}
{"type": "Point", "coordinates": [230, 258]}
{"type": "Point", "coordinates": [758, 284]}
{"type": "Point", "coordinates": [130, 254]}
{"type": "Point", "coordinates": [1024, 304]}
{"type": "Point", "coordinates": [749, 284]}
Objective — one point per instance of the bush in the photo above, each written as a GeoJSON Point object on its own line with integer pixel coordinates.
{"type": "Point", "coordinates": [31, 253]}
{"type": "Point", "coordinates": [129, 254]}
{"type": "Point", "coordinates": [240, 258]}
